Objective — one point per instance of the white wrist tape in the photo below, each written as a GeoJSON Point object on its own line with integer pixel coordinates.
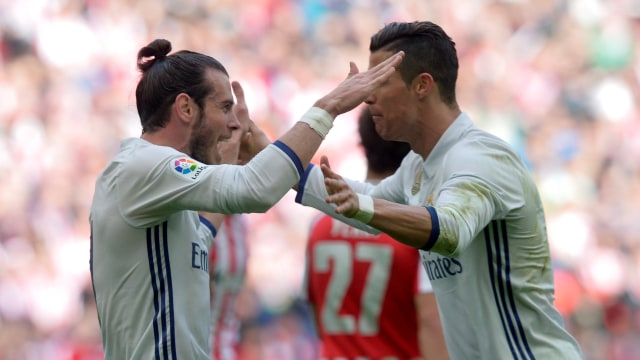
{"type": "Point", "coordinates": [319, 120]}
{"type": "Point", "coordinates": [365, 208]}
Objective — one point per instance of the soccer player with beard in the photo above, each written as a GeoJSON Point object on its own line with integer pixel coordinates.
{"type": "Point", "coordinates": [149, 250]}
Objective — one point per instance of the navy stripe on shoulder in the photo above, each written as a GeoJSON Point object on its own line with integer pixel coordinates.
{"type": "Point", "coordinates": [208, 224]}
{"type": "Point", "coordinates": [435, 229]}
{"type": "Point", "coordinates": [292, 155]}
{"type": "Point", "coordinates": [302, 183]}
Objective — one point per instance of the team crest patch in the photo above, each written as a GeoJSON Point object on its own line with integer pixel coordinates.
{"type": "Point", "coordinates": [417, 183]}
{"type": "Point", "coordinates": [185, 166]}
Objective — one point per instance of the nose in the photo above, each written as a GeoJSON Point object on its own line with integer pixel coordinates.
{"type": "Point", "coordinates": [370, 99]}
{"type": "Point", "coordinates": [234, 123]}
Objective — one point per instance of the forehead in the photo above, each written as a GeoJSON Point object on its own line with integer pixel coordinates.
{"type": "Point", "coordinates": [221, 84]}
{"type": "Point", "coordinates": [377, 57]}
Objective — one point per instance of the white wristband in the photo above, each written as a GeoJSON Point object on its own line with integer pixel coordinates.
{"type": "Point", "coordinates": [365, 208]}
{"type": "Point", "coordinates": [319, 120]}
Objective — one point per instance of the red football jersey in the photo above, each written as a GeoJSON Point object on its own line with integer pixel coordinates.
{"type": "Point", "coordinates": [362, 289]}
{"type": "Point", "coordinates": [228, 258]}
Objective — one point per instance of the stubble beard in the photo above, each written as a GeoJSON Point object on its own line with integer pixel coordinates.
{"type": "Point", "coordinates": [203, 149]}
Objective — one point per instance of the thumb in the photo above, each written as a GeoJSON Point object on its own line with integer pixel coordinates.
{"type": "Point", "coordinates": [324, 160]}
{"type": "Point", "coordinates": [326, 169]}
{"type": "Point", "coordinates": [353, 69]}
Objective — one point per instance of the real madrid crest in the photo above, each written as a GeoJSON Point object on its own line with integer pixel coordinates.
{"type": "Point", "coordinates": [417, 183]}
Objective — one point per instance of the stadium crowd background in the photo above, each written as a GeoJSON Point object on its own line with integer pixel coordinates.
{"type": "Point", "coordinates": [559, 79]}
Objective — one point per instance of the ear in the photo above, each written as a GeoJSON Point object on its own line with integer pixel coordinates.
{"type": "Point", "coordinates": [185, 107]}
{"type": "Point", "coordinates": [423, 84]}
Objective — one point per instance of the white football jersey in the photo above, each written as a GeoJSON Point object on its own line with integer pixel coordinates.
{"type": "Point", "coordinates": [495, 289]}
{"type": "Point", "coordinates": [149, 249]}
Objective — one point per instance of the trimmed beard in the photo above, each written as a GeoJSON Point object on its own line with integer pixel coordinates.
{"type": "Point", "coordinates": [203, 149]}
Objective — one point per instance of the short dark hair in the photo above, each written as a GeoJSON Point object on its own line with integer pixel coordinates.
{"type": "Point", "coordinates": [382, 156]}
{"type": "Point", "coordinates": [164, 77]}
{"type": "Point", "coordinates": [427, 49]}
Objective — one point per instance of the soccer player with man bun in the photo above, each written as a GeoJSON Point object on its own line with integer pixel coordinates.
{"type": "Point", "coordinates": [149, 246]}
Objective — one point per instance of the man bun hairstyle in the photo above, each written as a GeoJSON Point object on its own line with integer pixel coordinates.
{"type": "Point", "coordinates": [157, 50]}
{"type": "Point", "coordinates": [165, 76]}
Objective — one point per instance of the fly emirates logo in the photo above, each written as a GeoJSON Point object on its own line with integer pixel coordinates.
{"type": "Point", "coordinates": [441, 267]}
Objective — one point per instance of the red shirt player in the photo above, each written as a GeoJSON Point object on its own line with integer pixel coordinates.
{"type": "Point", "coordinates": [227, 267]}
{"type": "Point", "coordinates": [370, 295]}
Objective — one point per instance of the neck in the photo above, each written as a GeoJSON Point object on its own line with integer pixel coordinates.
{"type": "Point", "coordinates": [432, 126]}
{"type": "Point", "coordinates": [163, 137]}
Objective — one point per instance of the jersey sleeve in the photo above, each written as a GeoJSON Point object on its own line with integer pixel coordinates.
{"type": "Point", "coordinates": [479, 188]}
{"type": "Point", "coordinates": [312, 192]}
{"type": "Point", "coordinates": [207, 231]}
{"type": "Point", "coordinates": [157, 183]}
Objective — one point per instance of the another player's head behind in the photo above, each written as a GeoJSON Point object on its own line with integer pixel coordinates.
{"type": "Point", "coordinates": [427, 48]}
{"type": "Point", "coordinates": [383, 157]}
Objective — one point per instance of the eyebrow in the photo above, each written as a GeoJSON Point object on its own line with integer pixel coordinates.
{"type": "Point", "coordinates": [227, 102]}
{"type": "Point", "coordinates": [223, 103]}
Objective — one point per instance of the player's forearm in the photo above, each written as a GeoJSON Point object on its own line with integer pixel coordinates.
{"type": "Point", "coordinates": [303, 141]}
{"type": "Point", "coordinates": [430, 335]}
{"type": "Point", "coordinates": [431, 342]}
{"type": "Point", "coordinates": [411, 225]}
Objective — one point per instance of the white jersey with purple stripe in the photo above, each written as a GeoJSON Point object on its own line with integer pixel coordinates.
{"type": "Point", "coordinates": [495, 287]}
{"type": "Point", "coordinates": [149, 249]}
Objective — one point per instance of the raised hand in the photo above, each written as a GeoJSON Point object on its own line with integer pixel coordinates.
{"type": "Point", "coordinates": [230, 148]}
{"type": "Point", "coordinates": [358, 86]}
{"type": "Point", "coordinates": [240, 109]}
{"type": "Point", "coordinates": [253, 139]}
{"type": "Point", "coordinates": [248, 139]}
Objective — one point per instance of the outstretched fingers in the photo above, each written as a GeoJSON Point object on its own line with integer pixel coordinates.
{"type": "Point", "coordinates": [328, 173]}
{"type": "Point", "coordinates": [340, 193]}
{"type": "Point", "coordinates": [238, 91]}
{"type": "Point", "coordinates": [241, 110]}
{"type": "Point", "coordinates": [358, 86]}
{"type": "Point", "coordinates": [381, 72]}
{"type": "Point", "coordinates": [252, 138]}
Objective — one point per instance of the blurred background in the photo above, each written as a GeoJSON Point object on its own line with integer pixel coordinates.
{"type": "Point", "coordinates": [558, 79]}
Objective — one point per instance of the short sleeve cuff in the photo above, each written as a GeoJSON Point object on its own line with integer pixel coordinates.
{"type": "Point", "coordinates": [435, 229]}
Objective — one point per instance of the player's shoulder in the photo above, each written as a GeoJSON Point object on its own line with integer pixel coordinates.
{"type": "Point", "coordinates": [481, 152]}
{"type": "Point", "coordinates": [136, 150]}
{"type": "Point", "coordinates": [140, 157]}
